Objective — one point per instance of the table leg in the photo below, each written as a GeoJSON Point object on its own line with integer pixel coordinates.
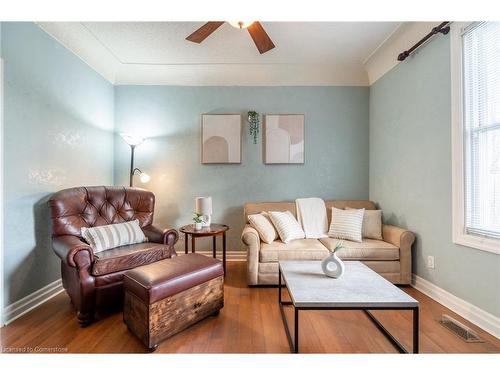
{"type": "Point", "coordinates": [415, 330]}
{"type": "Point", "coordinates": [193, 246]}
{"type": "Point", "coordinates": [296, 329]}
{"type": "Point", "coordinates": [279, 284]}
{"type": "Point", "coordinates": [214, 244]}
{"type": "Point", "coordinates": [224, 252]}
{"type": "Point", "coordinates": [185, 243]}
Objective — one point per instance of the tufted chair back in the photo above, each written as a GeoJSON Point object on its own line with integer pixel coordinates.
{"type": "Point", "coordinates": [79, 207]}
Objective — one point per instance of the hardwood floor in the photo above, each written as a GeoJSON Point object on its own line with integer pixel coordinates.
{"type": "Point", "coordinates": [250, 322]}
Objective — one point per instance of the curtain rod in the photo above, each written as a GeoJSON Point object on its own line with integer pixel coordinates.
{"type": "Point", "coordinates": [443, 28]}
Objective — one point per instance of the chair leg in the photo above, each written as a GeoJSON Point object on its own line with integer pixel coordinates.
{"type": "Point", "coordinates": [85, 318]}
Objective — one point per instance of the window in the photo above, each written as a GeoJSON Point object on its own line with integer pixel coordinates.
{"type": "Point", "coordinates": [476, 134]}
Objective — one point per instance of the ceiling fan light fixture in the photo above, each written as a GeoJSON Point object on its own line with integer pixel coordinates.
{"type": "Point", "coordinates": [240, 24]}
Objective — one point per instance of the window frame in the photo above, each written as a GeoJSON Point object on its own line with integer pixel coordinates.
{"type": "Point", "coordinates": [460, 236]}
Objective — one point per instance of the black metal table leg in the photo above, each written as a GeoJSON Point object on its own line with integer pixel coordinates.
{"type": "Point", "coordinates": [296, 329]}
{"type": "Point", "coordinates": [279, 285]}
{"type": "Point", "coordinates": [415, 330]}
{"type": "Point", "coordinates": [293, 343]}
{"type": "Point", "coordinates": [214, 245]}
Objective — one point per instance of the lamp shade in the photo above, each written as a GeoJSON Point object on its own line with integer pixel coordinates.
{"type": "Point", "coordinates": [203, 205]}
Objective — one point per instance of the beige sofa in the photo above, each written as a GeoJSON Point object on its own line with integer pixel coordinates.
{"type": "Point", "coordinates": [391, 257]}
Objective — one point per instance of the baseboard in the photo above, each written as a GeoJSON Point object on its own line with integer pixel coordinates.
{"type": "Point", "coordinates": [474, 314]}
{"type": "Point", "coordinates": [232, 256]}
{"type": "Point", "coordinates": [28, 303]}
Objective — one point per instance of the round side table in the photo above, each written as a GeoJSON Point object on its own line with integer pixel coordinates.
{"type": "Point", "coordinates": [214, 230]}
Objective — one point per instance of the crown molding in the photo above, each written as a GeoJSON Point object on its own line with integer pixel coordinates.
{"type": "Point", "coordinates": [78, 39]}
{"type": "Point", "coordinates": [241, 75]}
{"type": "Point", "coordinates": [384, 57]}
{"type": "Point", "coordinates": [74, 36]}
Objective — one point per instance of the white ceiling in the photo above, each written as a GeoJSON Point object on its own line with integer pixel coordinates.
{"type": "Point", "coordinates": [306, 53]}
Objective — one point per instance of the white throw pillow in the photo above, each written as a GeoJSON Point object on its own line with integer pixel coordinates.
{"type": "Point", "coordinates": [106, 237]}
{"type": "Point", "coordinates": [346, 224]}
{"type": "Point", "coordinates": [286, 225]}
{"type": "Point", "coordinates": [263, 226]}
{"type": "Point", "coordinates": [372, 224]}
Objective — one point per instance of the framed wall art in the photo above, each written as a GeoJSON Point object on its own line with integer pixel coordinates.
{"type": "Point", "coordinates": [284, 139]}
{"type": "Point", "coordinates": [220, 138]}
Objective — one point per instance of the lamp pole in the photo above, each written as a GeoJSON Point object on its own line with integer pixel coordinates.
{"type": "Point", "coordinates": [132, 148]}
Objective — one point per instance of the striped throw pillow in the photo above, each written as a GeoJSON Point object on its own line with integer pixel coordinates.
{"type": "Point", "coordinates": [110, 236]}
{"type": "Point", "coordinates": [286, 225]}
{"type": "Point", "coordinates": [347, 224]}
{"type": "Point", "coordinates": [372, 224]}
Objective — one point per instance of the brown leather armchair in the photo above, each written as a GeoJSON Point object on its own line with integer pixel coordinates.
{"type": "Point", "coordinates": [94, 281]}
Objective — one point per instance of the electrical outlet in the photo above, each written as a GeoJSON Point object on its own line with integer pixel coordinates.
{"type": "Point", "coordinates": [430, 262]}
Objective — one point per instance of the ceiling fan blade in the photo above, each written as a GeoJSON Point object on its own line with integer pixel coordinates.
{"type": "Point", "coordinates": [203, 32]}
{"type": "Point", "coordinates": [260, 37]}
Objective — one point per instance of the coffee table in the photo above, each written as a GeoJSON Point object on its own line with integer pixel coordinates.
{"type": "Point", "coordinates": [359, 288]}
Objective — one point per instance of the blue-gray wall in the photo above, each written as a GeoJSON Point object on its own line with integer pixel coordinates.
{"type": "Point", "coordinates": [336, 149]}
{"type": "Point", "coordinates": [57, 133]}
{"type": "Point", "coordinates": [410, 173]}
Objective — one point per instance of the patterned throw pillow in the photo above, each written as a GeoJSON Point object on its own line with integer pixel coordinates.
{"type": "Point", "coordinates": [110, 236]}
{"type": "Point", "coordinates": [346, 224]}
{"type": "Point", "coordinates": [286, 225]}
{"type": "Point", "coordinates": [263, 226]}
{"type": "Point", "coordinates": [372, 224]}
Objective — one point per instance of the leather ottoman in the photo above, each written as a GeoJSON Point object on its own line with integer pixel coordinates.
{"type": "Point", "coordinates": [168, 296]}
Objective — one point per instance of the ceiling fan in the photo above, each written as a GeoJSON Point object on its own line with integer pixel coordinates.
{"type": "Point", "coordinates": [257, 32]}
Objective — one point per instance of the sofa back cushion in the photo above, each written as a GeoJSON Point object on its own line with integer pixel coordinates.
{"type": "Point", "coordinates": [74, 208]}
{"type": "Point", "coordinates": [255, 208]}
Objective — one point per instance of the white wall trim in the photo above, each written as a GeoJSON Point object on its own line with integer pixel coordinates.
{"type": "Point", "coordinates": [35, 299]}
{"type": "Point", "coordinates": [76, 37]}
{"type": "Point", "coordinates": [384, 58]}
{"type": "Point", "coordinates": [232, 256]}
{"type": "Point", "coordinates": [457, 146]}
{"type": "Point", "coordinates": [484, 320]}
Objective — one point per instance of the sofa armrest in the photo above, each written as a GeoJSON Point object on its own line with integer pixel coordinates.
{"type": "Point", "coordinates": [251, 239]}
{"type": "Point", "coordinates": [73, 251]}
{"type": "Point", "coordinates": [403, 239]}
{"type": "Point", "coordinates": [167, 236]}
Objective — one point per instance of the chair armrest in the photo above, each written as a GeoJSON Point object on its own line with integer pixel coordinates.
{"type": "Point", "coordinates": [167, 236]}
{"type": "Point", "coordinates": [403, 239]}
{"type": "Point", "coordinates": [68, 247]}
{"type": "Point", "coordinates": [251, 239]}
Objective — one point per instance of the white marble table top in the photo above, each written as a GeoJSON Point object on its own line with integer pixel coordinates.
{"type": "Point", "coordinates": [358, 287]}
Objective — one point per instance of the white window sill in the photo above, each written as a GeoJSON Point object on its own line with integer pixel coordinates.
{"type": "Point", "coordinates": [490, 245]}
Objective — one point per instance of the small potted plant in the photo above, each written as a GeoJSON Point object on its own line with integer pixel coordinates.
{"type": "Point", "coordinates": [198, 221]}
{"type": "Point", "coordinates": [332, 265]}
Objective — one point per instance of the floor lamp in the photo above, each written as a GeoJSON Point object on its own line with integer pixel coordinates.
{"type": "Point", "coordinates": [133, 141]}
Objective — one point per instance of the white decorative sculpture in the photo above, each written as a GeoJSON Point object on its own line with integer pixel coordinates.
{"type": "Point", "coordinates": [332, 265]}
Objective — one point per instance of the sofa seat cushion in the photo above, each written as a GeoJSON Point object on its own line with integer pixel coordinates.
{"type": "Point", "coordinates": [303, 249]}
{"type": "Point", "coordinates": [127, 257]}
{"type": "Point", "coordinates": [369, 249]}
